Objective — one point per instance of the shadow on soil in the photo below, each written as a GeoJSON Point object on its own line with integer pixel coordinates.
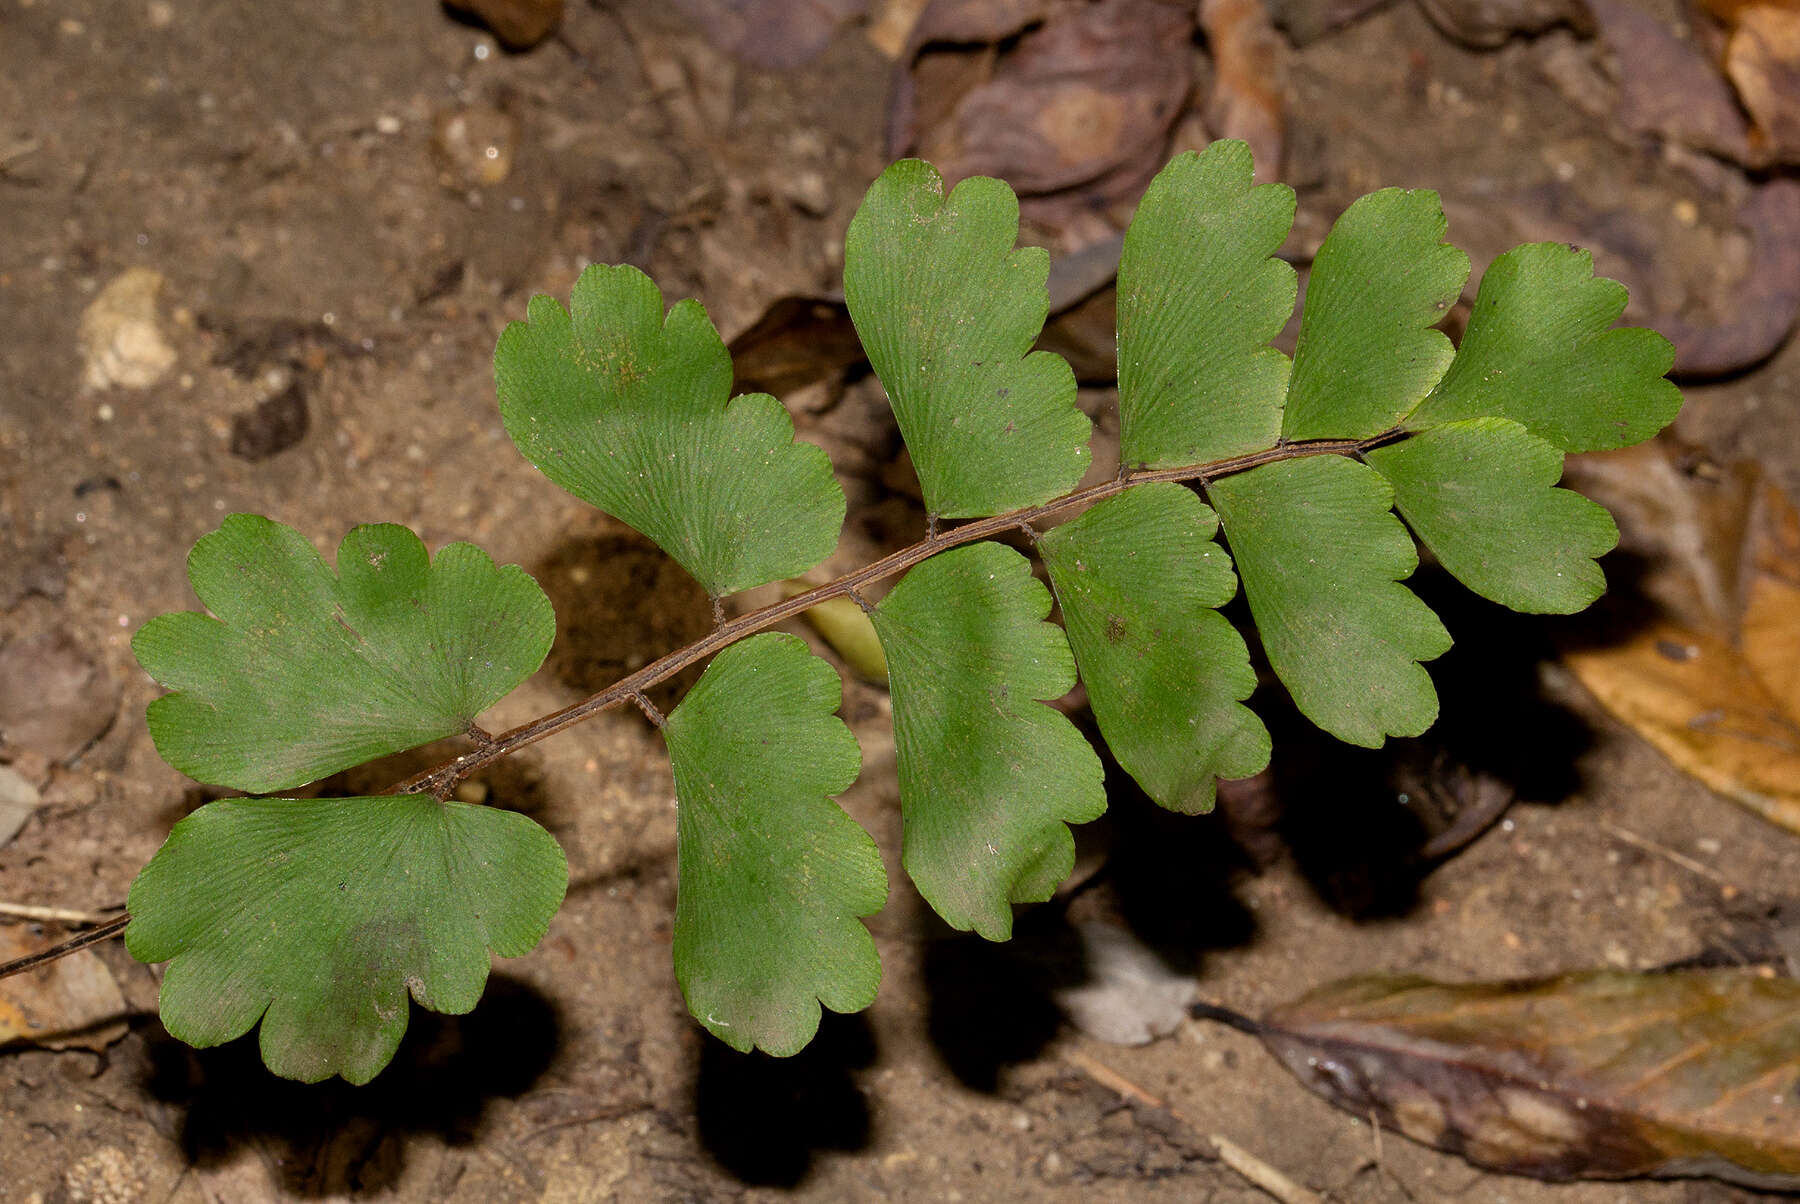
{"type": "Point", "coordinates": [333, 1139]}
{"type": "Point", "coordinates": [620, 603]}
{"type": "Point", "coordinates": [1365, 827]}
{"type": "Point", "coordinates": [763, 1119]}
{"type": "Point", "coordinates": [1165, 877]}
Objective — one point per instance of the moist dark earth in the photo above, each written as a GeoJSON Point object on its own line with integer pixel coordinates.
{"type": "Point", "coordinates": [343, 204]}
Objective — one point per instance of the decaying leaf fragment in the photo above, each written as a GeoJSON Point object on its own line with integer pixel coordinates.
{"type": "Point", "coordinates": [1600, 1074]}
{"type": "Point", "coordinates": [1711, 678]}
{"type": "Point", "coordinates": [74, 1003]}
{"type": "Point", "coordinates": [1762, 57]}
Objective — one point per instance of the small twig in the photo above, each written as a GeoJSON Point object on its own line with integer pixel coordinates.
{"type": "Point", "coordinates": [1681, 859]}
{"type": "Point", "coordinates": [56, 915]}
{"type": "Point", "coordinates": [93, 936]}
{"type": "Point", "coordinates": [1261, 1173]}
{"type": "Point", "coordinates": [862, 602]}
{"type": "Point", "coordinates": [609, 1113]}
{"type": "Point", "coordinates": [1233, 1155]}
{"type": "Point", "coordinates": [718, 607]}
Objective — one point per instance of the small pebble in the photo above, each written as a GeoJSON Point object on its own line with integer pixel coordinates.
{"type": "Point", "coordinates": [476, 145]}
{"type": "Point", "coordinates": [122, 341]}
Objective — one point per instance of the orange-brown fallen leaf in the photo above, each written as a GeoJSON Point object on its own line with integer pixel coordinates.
{"type": "Point", "coordinates": [1250, 68]}
{"type": "Point", "coordinates": [72, 1003]}
{"type": "Point", "coordinates": [1711, 675]}
{"type": "Point", "coordinates": [1591, 1075]}
{"type": "Point", "coordinates": [1763, 60]}
{"type": "Point", "coordinates": [1695, 699]}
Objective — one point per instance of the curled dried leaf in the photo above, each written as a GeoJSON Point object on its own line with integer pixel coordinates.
{"type": "Point", "coordinates": [1598, 1074]}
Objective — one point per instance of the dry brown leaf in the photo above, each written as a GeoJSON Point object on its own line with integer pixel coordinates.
{"type": "Point", "coordinates": [1728, 10]}
{"type": "Point", "coordinates": [1694, 698]}
{"type": "Point", "coordinates": [1763, 60]}
{"type": "Point", "coordinates": [1485, 24]}
{"type": "Point", "coordinates": [1592, 1075]}
{"type": "Point", "coordinates": [1711, 677]}
{"type": "Point", "coordinates": [55, 698]}
{"type": "Point", "coordinates": [1760, 313]}
{"type": "Point", "coordinates": [1770, 629]}
{"type": "Point", "coordinates": [1249, 92]}
{"type": "Point", "coordinates": [18, 799]}
{"type": "Point", "coordinates": [891, 26]}
{"type": "Point", "coordinates": [518, 24]}
{"type": "Point", "coordinates": [798, 341]}
{"type": "Point", "coordinates": [1667, 83]}
{"type": "Point", "coordinates": [1070, 102]}
{"type": "Point", "coordinates": [1306, 21]}
{"type": "Point", "coordinates": [72, 1003]}
{"type": "Point", "coordinates": [774, 35]}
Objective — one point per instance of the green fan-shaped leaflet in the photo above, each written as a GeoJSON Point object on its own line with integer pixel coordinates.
{"type": "Point", "coordinates": [305, 672]}
{"type": "Point", "coordinates": [989, 775]}
{"type": "Point", "coordinates": [1138, 577]}
{"type": "Point", "coordinates": [1366, 353]}
{"type": "Point", "coordinates": [948, 311]}
{"type": "Point", "coordinates": [1480, 494]}
{"type": "Point", "coordinates": [1200, 296]}
{"type": "Point", "coordinates": [628, 410]}
{"type": "Point", "coordinates": [773, 873]}
{"type": "Point", "coordinates": [1322, 557]}
{"type": "Point", "coordinates": [319, 917]}
{"type": "Point", "coordinates": [1540, 350]}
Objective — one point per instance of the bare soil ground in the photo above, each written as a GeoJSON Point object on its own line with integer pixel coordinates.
{"type": "Point", "coordinates": [334, 245]}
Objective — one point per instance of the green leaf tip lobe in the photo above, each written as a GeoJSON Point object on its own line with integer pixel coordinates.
{"type": "Point", "coordinates": [948, 310]}
{"type": "Point", "coordinates": [320, 917]}
{"type": "Point", "coordinates": [1541, 349]}
{"type": "Point", "coordinates": [773, 873]}
{"type": "Point", "coordinates": [1322, 557]}
{"type": "Point", "coordinates": [1140, 580]}
{"type": "Point", "coordinates": [1367, 353]}
{"type": "Point", "coordinates": [1480, 494]}
{"type": "Point", "coordinates": [628, 410]}
{"type": "Point", "coordinates": [989, 774]}
{"type": "Point", "coordinates": [1200, 295]}
{"type": "Point", "coordinates": [305, 671]}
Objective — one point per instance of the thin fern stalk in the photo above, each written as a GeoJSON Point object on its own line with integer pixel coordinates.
{"type": "Point", "coordinates": [441, 781]}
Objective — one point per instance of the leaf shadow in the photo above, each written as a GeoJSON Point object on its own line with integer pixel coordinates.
{"type": "Point", "coordinates": [990, 1006]}
{"type": "Point", "coordinates": [1366, 827]}
{"type": "Point", "coordinates": [764, 1119]}
{"type": "Point", "coordinates": [620, 602]}
{"type": "Point", "coordinates": [1625, 610]}
{"type": "Point", "coordinates": [1166, 878]}
{"type": "Point", "coordinates": [332, 1139]}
